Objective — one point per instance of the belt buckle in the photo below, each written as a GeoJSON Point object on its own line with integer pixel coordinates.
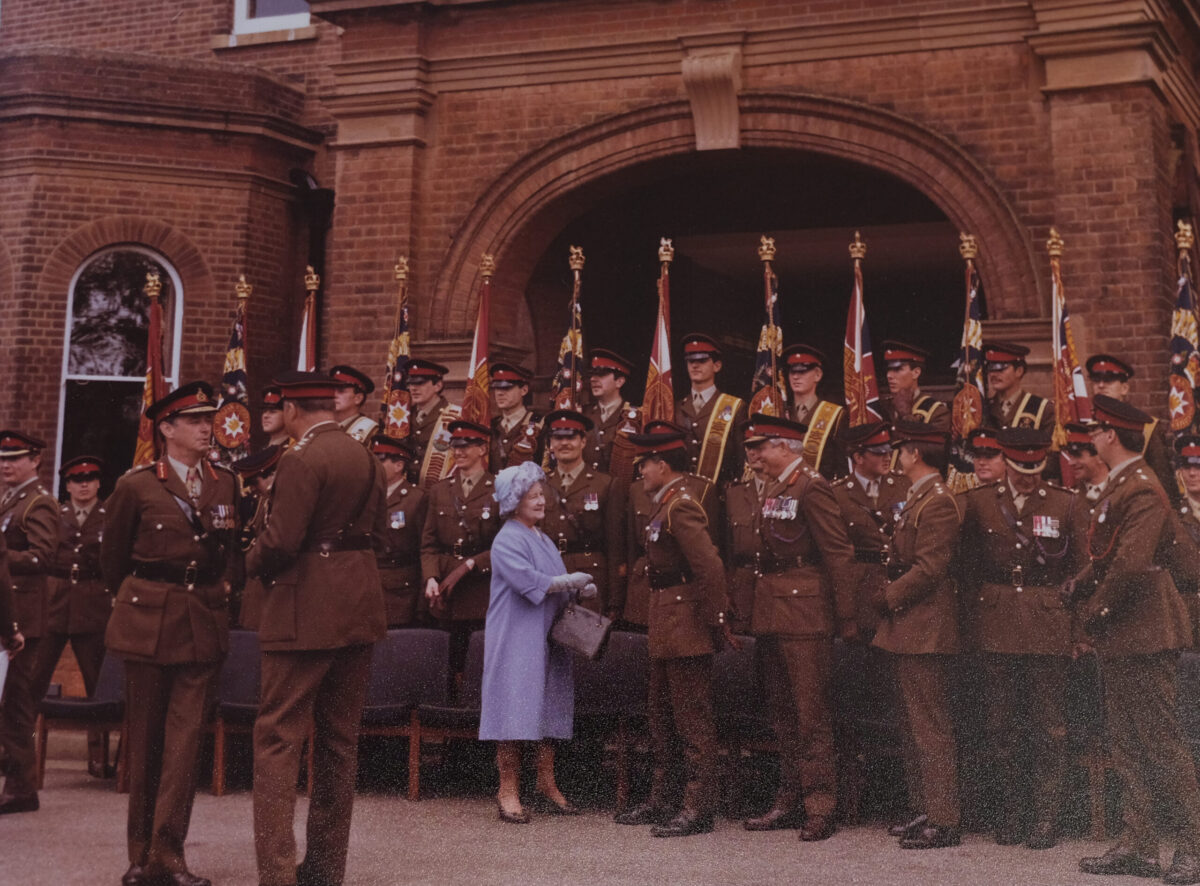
{"type": "Point", "coordinates": [884, 555]}
{"type": "Point", "coordinates": [758, 563]}
{"type": "Point", "coordinates": [1018, 576]}
{"type": "Point", "coordinates": [562, 545]}
{"type": "Point", "coordinates": [190, 574]}
{"type": "Point", "coordinates": [74, 576]}
{"type": "Point", "coordinates": [457, 549]}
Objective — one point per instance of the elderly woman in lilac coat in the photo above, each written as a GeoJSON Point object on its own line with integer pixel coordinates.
{"type": "Point", "coordinates": [528, 687]}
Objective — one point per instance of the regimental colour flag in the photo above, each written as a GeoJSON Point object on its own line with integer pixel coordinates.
{"type": "Point", "coordinates": [155, 387]}
{"type": "Point", "coordinates": [659, 402]}
{"type": "Point", "coordinates": [566, 391]}
{"type": "Point", "coordinates": [1071, 400]}
{"type": "Point", "coordinates": [766, 388]}
{"type": "Point", "coordinates": [231, 424]}
{"type": "Point", "coordinates": [1185, 345]}
{"type": "Point", "coordinates": [477, 404]}
{"type": "Point", "coordinates": [858, 362]}
{"type": "Point", "coordinates": [306, 359]}
{"type": "Point", "coordinates": [395, 402]}
{"type": "Point", "coordinates": [967, 408]}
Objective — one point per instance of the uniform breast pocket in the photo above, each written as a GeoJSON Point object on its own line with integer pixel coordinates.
{"type": "Point", "coordinates": [137, 618]}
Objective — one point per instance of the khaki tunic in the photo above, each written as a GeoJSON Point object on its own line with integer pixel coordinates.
{"type": "Point", "coordinates": [399, 555]}
{"type": "Point", "coordinates": [520, 443]}
{"type": "Point", "coordinates": [742, 549]}
{"type": "Point", "coordinates": [30, 527]}
{"type": "Point", "coordinates": [587, 522]}
{"type": "Point", "coordinates": [459, 528]}
{"type": "Point", "coordinates": [79, 601]}
{"type": "Point", "coordinates": [694, 423]}
{"type": "Point", "coordinates": [869, 527]}
{"type": "Point", "coordinates": [597, 451]}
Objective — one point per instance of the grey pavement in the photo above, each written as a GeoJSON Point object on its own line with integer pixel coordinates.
{"type": "Point", "coordinates": [78, 838]}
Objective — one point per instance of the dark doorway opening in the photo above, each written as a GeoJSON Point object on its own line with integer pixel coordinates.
{"type": "Point", "coordinates": [715, 206]}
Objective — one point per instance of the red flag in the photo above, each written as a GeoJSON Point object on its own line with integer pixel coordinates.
{"type": "Point", "coordinates": [566, 391]}
{"type": "Point", "coordinates": [477, 405]}
{"type": "Point", "coordinates": [156, 386]}
{"type": "Point", "coordinates": [767, 389]}
{"type": "Point", "coordinates": [1071, 400]}
{"type": "Point", "coordinates": [858, 363]}
{"type": "Point", "coordinates": [306, 361]}
{"type": "Point", "coordinates": [231, 424]}
{"type": "Point", "coordinates": [394, 420]}
{"type": "Point", "coordinates": [659, 402]}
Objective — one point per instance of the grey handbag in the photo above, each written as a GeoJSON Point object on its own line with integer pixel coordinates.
{"type": "Point", "coordinates": [582, 630]}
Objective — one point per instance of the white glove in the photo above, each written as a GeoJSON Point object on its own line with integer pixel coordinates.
{"type": "Point", "coordinates": [588, 591]}
{"type": "Point", "coordinates": [431, 588]}
{"type": "Point", "coordinates": [572, 581]}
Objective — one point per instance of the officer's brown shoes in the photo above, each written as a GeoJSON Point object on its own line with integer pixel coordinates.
{"type": "Point", "coordinates": [931, 836]}
{"type": "Point", "coordinates": [1043, 836]}
{"type": "Point", "coordinates": [1123, 861]}
{"type": "Point", "coordinates": [643, 813]}
{"type": "Point", "coordinates": [1184, 869]}
{"type": "Point", "coordinates": [10, 804]}
{"type": "Point", "coordinates": [817, 828]}
{"type": "Point", "coordinates": [775, 819]}
{"type": "Point", "coordinates": [684, 824]}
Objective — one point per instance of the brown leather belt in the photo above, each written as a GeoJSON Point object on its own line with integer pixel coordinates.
{"type": "Point", "coordinates": [871, 555]}
{"type": "Point", "coordinates": [769, 565]}
{"type": "Point", "coordinates": [340, 543]}
{"type": "Point", "coordinates": [175, 573]}
{"type": "Point", "coordinates": [575, 547]}
{"type": "Point", "coordinates": [661, 579]}
{"type": "Point", "coordinates": [1018, 576]}
{"type": "Point", "coordinates": [75, 572]}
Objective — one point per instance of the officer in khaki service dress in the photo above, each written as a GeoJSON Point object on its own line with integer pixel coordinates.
{"type": "Point", "coordinates": [905, 365]}
{"type": "Point", "coordinates": [322, 612]}
{"type": "Point", "coordinates": [431, 417]}
{"type": "Point", "coordinates": [919, 626]}
{"type": "Point", "coordinates": [351, 392]}
{"type": "Point", "coordinates": [585, 510]}
{"type": "Point", "coordinates": [708, 416]}
{"type": "Point", "coordinates": [29, 524]}
{"type": "Point", "coordinates": [167, 552]}
{"type": "Point", "coordinates": [12, 640]}
{"type": "Point", "coordinates": [516, 429]}
{"type": "Point", "coordinates": [610, 413]}
{"type": "Point", "coordinates": [1025, 537]}
{"type": "Point", "coordinates": [257, 473]}
{"type": "Point", "coordinates": [687, 610]}
{"type": "Point", "coordinates": [79, 602]}
{"type": "Point", "coordinates": [743, 508]}
{"type": "Point", "coordinates": [398, 554]}
{"type": "Point", "coordinates": [632, 599]}
{"type": "Point", "coordinates": [456, 541]}
{"type": "Point", "coordinates": [1009, 404]}
{"type": "Point", "coordinates": [803, 598]}
{"type": "Point", "coordinates": [870, 501]}
{"type": "Point", "coordinates": [805, 367]}
{"type": "Point", "coordinates": [1137, 622]}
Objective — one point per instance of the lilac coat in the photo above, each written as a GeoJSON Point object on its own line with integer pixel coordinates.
{"type": "Point", "coordinates": [528, 687]}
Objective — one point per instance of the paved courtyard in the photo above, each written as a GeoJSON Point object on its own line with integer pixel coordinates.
{"type": "Point", "coordinates": [453, 837]}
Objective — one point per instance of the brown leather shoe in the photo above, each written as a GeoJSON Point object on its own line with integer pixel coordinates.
{"type": "Point", "coordinates": [817, 828]}
{"type": "Point", "coordinates": [1121, 860]}
{"type": "Point", "coordinates": [775, 819]}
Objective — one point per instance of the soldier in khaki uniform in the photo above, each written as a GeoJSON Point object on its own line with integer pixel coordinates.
{"type": "Point", "coordinates": [257, 473]}
{"type": "Point", "coordinates": [804, 365]}
{"type": "Point", "coordinates": [1129, 606]}
{"type": "Point", "coordinates": [585, 511]}
{"type": "Point", "coordinates": [399, 553]}
{"type": "Point", "coordinates": [11, 638]}
{"type": "Point", "coordinates": [516, 430]}
{"type": "Point", "coordinates": [1110, 376]}
{"type": "Point", "coordinates": [803, 597]}
{"type": "Point", "coordinates": [1026, 539]}
{"type": "Point", "coordinates": [321, 614]}
{"type": "Point", "coordinates": [633, 600]}
{"type": "Point", "coordinates": [870, 501]}
{"type": "Point", "coordinates": [986, 455]}
{"type": "Point", "coordinates": [742, 544]}
{"type": "Point", "coordinates": [166, 551]}
{"type": "Point", "coordinates": [1091, 473]}
{"type": "Point", "coordinates": [352, 388]}
{"type": "Point", "coordinates": [609, 414]}
{"type": "Point", "coordinates": [708, 417]}
{"type": "Point", "coordinates": [1010, 405]}
{"type": "Point", "coordinates": [29, 524]}
{"type": "Point", "coordinates": [905, 365]}
{"type": "Point", "coordinates": [79, 602]}
{"type": "Point", "coordinates": [687, 607]}
{"type": "Point", "coordinates": [919, 611]}
{"type": "Point", "coordinates": [456, 541]}
{"type": "Point", "coordinates": [1187, 453]}
{"type": "Point", "coordinates": [271, 418]}
{"type": "Point", "coordinates": [431, 417]}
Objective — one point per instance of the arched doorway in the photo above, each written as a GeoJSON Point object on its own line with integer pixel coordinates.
{"type": "Point", "coordinates": [715, 206]}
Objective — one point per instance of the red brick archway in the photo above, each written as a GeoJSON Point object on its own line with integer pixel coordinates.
{"type": "Point", "coordinates": [524, 207]}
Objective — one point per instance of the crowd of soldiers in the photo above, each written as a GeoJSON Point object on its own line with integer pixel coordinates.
{"type": "Point", "coordinates": [798, 529]}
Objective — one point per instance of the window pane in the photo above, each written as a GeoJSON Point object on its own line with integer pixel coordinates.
{"type": "Point", "coordinates": [263, 8]}
{"type": "Point", "coordinates": [111, 314]}
{"type": "Point", "coordinates": [101, 418]}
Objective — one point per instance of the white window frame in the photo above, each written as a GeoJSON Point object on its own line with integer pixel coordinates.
{"type": "Point", "coordinates": [176, 338]}
{"type": "Point", "coordinates": [243, 23]}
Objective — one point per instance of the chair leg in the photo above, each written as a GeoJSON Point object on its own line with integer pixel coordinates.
{"type": "Point", "coordinates": [622, 764]}
{"type": "Point", "coordinates": [414, 758]}
{"type": "Point", "coordinates": [39, 750]}
{"type": "Point", "coordinates": [105, 746]}
{"type": "Point", "coordinates": [218, 773]}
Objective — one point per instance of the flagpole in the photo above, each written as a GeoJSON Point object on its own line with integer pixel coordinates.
{"type": "Point", "coordinates": [154, 388]}
{"type": "Point", "coordinates": [574, 384]}
{"type": "Point", "coordinates": [770, 397]}
{"type": "Point", "coordinates": [307, 360]}
{"type": "Point", "coordinates": [476, 406]}
{"type": "Point", "coordinates": [659, 401]}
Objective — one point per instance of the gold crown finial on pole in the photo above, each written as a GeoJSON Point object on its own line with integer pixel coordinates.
{"type": "Point", "coordinates": [1184, 236]}
{"type": "Point", "coordinates": [766, 248]}
{"type": "Point", "coordinates": [968, 248]}
{"type": "Point", "coordinates": [401, 269]}
{"type": "Point", "coordinates": [666, 252]}
{"type": "Point", "coordinates": [312, 280]}
{"type": "Point", "coordinates": [487, 265]}
{"type": "Point", "coordinates": [1054, 245]}
{"type": "Point", "coordinates": [576, 259]}
{"type": "Point", "coordinates": [153, 285]}
{"type": "Point", "coordinates": [858, 249]}
{"type": "Point", "coordinates": [243, 289]}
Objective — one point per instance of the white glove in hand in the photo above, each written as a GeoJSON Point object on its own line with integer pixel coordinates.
{"type": "Point", "coordinates": [431, 588]}
{"type": "Point", "coordinates": [588, 591]}
{"type": "Point", "coordinates": [570, 582]}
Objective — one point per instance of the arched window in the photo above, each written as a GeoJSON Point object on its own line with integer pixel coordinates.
{"type": "Point", "coordinates": [104, 359]}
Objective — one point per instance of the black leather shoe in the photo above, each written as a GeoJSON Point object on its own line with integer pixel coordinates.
{"type": "Point", "coordinates": [684, 824]}
{"type": "Point", "coordinates": [907, 828]}
{"type": "Point", "coordinates": [10, 804]}
{"type": "Point", "coordinates": [542, 803]}
{"type": "Point", "coordinates": [817, 828]}
{"type": "Point", "coordinates": [1009, 836]}
{"type": "Point", "coordinates": [1184, 869]}
{"type": "Point", "coordinates": [1043, 836]}
{"type": "Point", "coordinates": [775, 819]}
{"type": "Point", "coordinates": [643, 813]}
{"type": "Point", "coordinates": [931, 836]}
{"type": "Point", "coordinates": [96, 769]}
{"type": "Point", "coordinates": [135, 876]}
{"type": "Point", "coordinates": [1121, 860]}
{"type": "Point", "coordinates": [178, 878]}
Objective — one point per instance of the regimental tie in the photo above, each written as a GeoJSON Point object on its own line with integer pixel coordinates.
{"type": "Point", "coordinates": [194, 484]}
{"type": "Point", "coordinates": [698, 401]}
{"type": "Point", "coordinates": [80, 515]}
{"type": "Point", "coordinates": [466, 486]}
{"type": "Point", "coordinates": [873, 492]}
{"type": "Point", "coordinates": [1093, 491]}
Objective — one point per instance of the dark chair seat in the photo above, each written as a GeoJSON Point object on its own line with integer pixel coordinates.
{"type": "Point", "coordinates": [435, 717]}
{"type": "Point", "coordinates": [408, 667]}
{"type": "Point", "coordinates": [447, 717]}
{"type": "Point", "coordinates": [104, 711]}
{"type": "Point", "coordinates": [83, 710]}
{"type": "Point", "coordinates": [237, 698]}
